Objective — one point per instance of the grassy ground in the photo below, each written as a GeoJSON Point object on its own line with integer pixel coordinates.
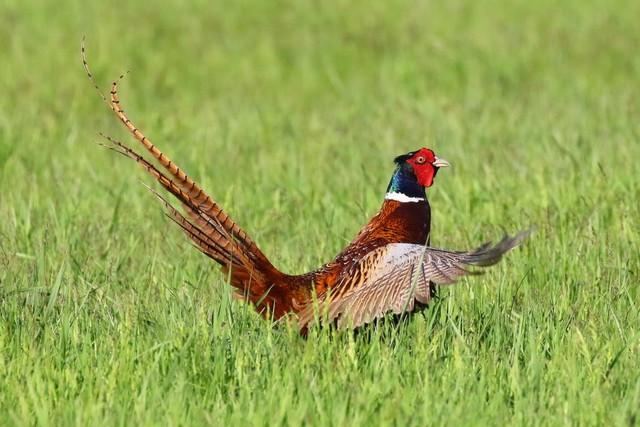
{"type": "Point", "coordinates": [290, 113]}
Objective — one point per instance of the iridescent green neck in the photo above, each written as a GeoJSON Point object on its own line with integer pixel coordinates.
{"type": "Point", "coordinates": [404, 182]}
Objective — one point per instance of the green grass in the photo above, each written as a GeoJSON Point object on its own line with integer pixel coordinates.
{"type": "Point", "coordinates": [289, 113]}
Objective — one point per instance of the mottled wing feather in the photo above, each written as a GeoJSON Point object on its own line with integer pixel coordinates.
{"type": "Point", "coordinates": [401, 275]}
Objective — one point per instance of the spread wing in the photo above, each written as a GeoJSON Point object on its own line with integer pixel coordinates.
{"type": "Point", "coordinates": [399, 275]}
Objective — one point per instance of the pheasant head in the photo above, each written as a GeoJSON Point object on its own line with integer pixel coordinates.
{"type": "Point", "coordinates": [414, 172]}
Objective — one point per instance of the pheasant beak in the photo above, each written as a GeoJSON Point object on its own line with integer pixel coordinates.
{"type": "Point", "coordinates": [441, 163]}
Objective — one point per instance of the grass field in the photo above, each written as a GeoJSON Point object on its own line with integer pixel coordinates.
{"type": "Point", "coordinates": [290, 113]}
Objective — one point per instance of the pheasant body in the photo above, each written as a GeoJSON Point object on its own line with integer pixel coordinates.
{"type": "Point", "coordinates": [388, 267]}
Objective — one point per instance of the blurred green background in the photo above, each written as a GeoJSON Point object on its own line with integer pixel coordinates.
{"type": "Point", "coordinates": [289, 114]}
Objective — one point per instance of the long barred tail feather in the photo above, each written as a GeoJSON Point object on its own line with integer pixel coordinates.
{"type": "Point", "coordinates": [181, 179]}
{"type": "Point", "coordinates": [211, 227]}
{"type": "Point", "coordinates": [212, 231]}
{"type": "Point", "coordinates": [209, 235]}
{"type": "Point", "coordinates": [210, 247]}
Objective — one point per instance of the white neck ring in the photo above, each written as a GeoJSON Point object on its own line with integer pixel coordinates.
{"type": "Point", "coordinates": [403, 198]}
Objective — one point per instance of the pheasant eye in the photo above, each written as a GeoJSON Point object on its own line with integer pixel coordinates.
{"type": "Point", "coordinates": [420, 160]}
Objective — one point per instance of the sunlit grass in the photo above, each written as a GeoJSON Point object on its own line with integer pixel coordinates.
{"type": "Point", "coordinates": [290, 115]}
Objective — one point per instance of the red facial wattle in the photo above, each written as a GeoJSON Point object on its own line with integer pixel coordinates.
{"type": "Point", "coordinates": [425, 166]}
{"type": "Point", "coordinates": [425, 174]}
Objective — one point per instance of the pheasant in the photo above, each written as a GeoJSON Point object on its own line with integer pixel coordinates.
{"type": "Point", "coordinates": [388, 268]}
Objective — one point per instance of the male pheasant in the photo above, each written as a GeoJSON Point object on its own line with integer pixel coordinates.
{"type": "Point", "coordinates": [388, 267]}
